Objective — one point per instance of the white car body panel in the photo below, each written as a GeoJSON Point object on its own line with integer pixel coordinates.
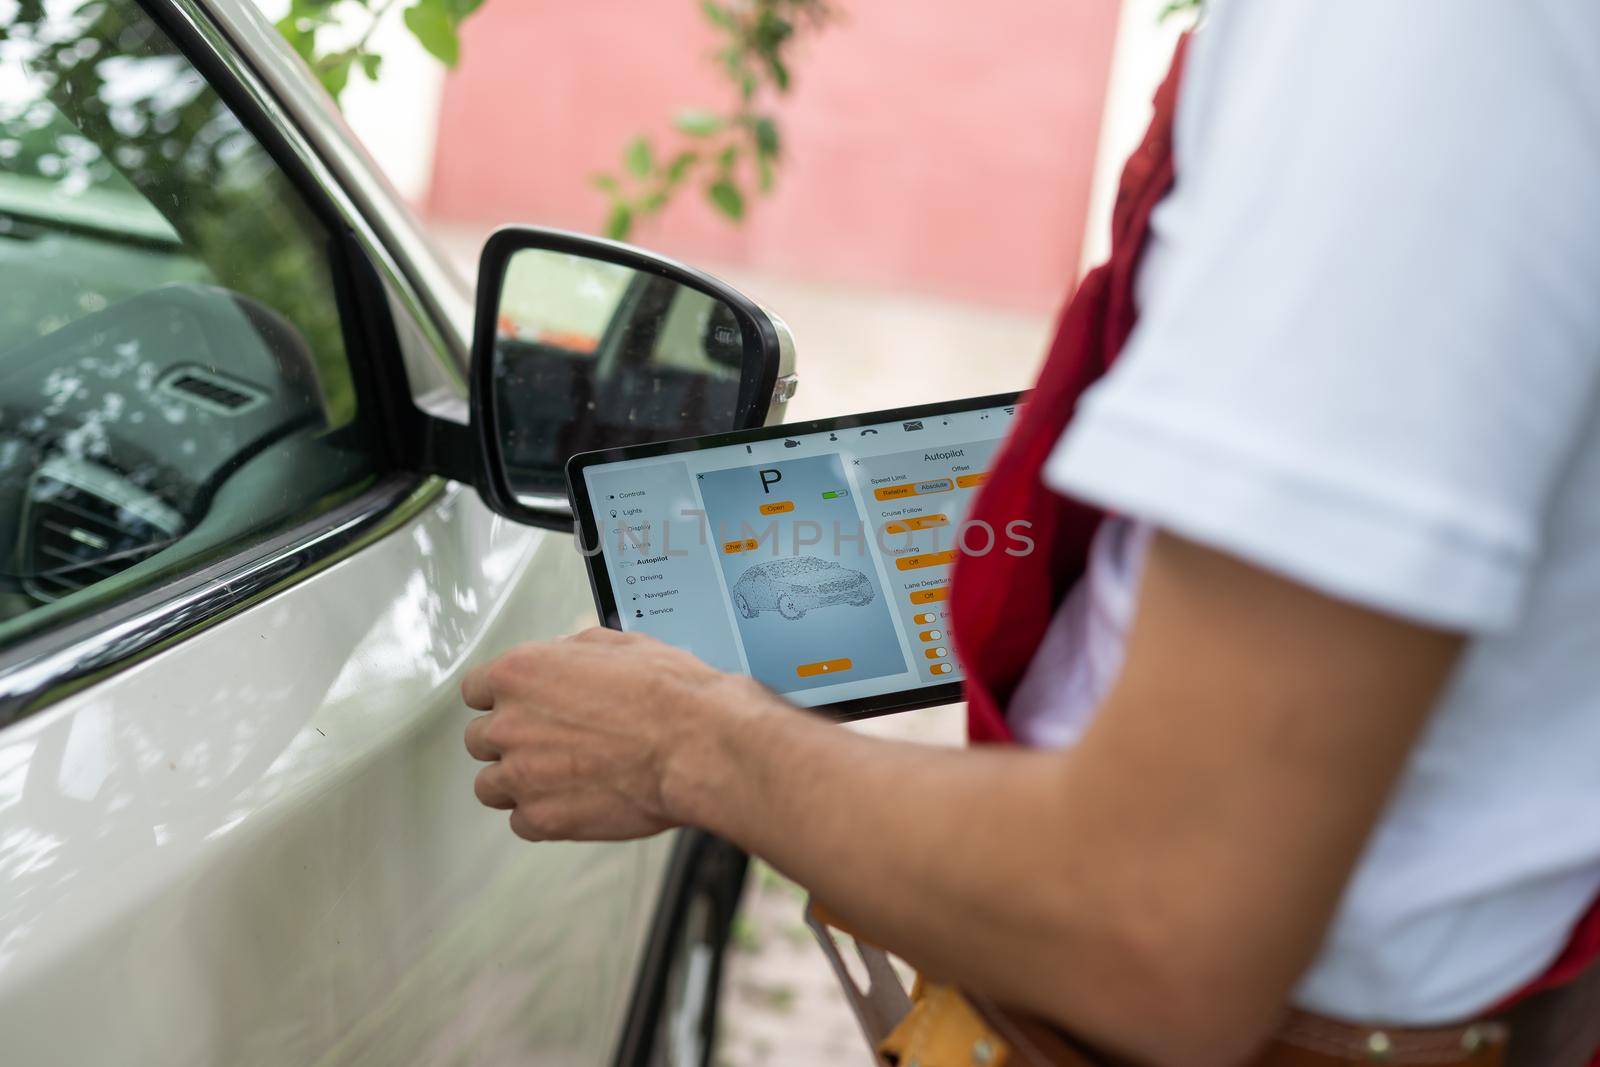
{"type": "Point", "coordinates": [261, 846]}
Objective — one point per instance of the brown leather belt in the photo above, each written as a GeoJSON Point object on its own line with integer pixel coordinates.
{"type": "Point", "coordinates": [1306, 1040]}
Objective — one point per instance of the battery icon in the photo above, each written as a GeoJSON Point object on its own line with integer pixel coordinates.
{"type": "Point", "coordinates": [835, 494]}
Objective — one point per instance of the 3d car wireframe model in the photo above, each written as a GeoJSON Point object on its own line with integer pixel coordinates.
{"type": "Point", "coordinates": [792, 587]}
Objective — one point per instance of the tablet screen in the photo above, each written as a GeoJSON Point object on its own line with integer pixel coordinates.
{"type": "Point", "coordinates": [817, 562]}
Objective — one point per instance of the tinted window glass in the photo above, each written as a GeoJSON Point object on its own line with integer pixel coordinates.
{"type": "Point", "coordinates": [173, 373]}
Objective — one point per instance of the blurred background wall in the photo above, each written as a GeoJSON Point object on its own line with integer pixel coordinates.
{"type": "Point", "coordinates": [939, 148]}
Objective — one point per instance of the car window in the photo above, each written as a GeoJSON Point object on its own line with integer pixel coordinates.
{"type": "Point", "coordinates": [173, 375]}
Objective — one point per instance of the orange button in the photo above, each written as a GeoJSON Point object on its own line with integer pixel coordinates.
{"type": "Point", "coordinates": [827, 666]}
{"type": "Point", "coordinates": [894, 492]}
{"type": "Point", "coordinates": [931, 596]}
{"type": "Point", "coordinates": [749, 544]}
{"type": "Point", "coordinates": [923, 618]}
{"type": "Point", "coordinates": [777, 507]}
{"type": "Point", "coordinates": [941, 668]}
{"type": "Point", "coordinates": [929, 559]}
{"type": "Point", "coordinates": [967, 481]}
{"type": "Point", "coordinates": [936, 653]}
{"type": "Point", "coordinates": [930, 635]}
{"type": "Point", "coordinates": [920, 522]}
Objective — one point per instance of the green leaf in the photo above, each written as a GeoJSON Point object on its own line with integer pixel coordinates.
{"type": "Point", "coordinates": [431, 23]}
{"type": "Point", "coordinates": [766, 134]}
{"type": "Point", "coordinates": [620, 222]}
{"type": "Point", "coordinates": [605, 183]}
{"type": "Point", "coordinates": [638, 157]}
{"type": "Point", "coordinates": [726, 198]}
{"type": "Point", "coordinates": [780, 73]}
{"type": "Point", "coordinates": [371, 64]}
{"type": "Point", "coordinates": [334, 72]}
{"type": "Point", "coordinates": [697, 122]}
{"type": "Point", "coordinates": [680, 166]}
{"type": "Point", "coordinates": [303, 41]}
{"type": "Point", "coordinates": [718, 15]}
{"type": "Point", "coordinates": [728, 157]}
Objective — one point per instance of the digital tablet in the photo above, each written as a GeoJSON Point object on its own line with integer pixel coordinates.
{"type": "Point", "coordinates": [814, 557]}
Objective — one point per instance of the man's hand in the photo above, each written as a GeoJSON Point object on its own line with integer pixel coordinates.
{"type": "Point", "coordinates": [583, 734]}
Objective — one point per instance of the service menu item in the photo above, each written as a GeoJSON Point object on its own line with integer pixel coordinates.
{"type": "Point", "coordinates": [814, 557]}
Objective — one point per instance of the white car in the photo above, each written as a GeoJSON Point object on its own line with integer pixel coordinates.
{"type": "Point", "coordinates": [244, 563]}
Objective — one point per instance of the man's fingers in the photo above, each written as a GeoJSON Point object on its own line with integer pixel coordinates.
{"type": "Point", "coordinates": [478, 743]}
{"type": "Point", "coordinates": [523, 827]}
{"type": "Point", "coordinates": [476, 691]}
{"type": "Point", "coordinates": [492, 788]}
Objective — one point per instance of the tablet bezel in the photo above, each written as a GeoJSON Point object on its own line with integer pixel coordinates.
{"type": "Point", "coordinates": [587, 527]}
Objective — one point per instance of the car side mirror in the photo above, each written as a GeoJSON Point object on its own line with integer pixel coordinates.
{"type": "Point", "coordinates": [582, 343]}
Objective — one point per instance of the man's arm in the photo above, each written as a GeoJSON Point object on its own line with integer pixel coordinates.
{"type": "Point", "coordinates": [1157, 889]}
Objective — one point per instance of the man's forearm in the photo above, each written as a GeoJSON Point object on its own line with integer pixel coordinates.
{"type": "Point", "coordinates": [954, 859]}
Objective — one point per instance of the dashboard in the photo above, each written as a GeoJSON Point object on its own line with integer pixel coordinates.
{"type": "Point", "coordinates": [118, 429]}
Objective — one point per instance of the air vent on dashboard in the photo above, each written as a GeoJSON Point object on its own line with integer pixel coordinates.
{"type": "Point", "coordinates": [212, 391]}
{"type": "Point", "coordinates": [82, 524]}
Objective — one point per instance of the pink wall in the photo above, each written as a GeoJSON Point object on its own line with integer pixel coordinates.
{"type": "Point", "coordinates": [939, 146]}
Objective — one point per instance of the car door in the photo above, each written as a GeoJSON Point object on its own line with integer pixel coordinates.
{"type": "Point", "coordinates": [236, 823]}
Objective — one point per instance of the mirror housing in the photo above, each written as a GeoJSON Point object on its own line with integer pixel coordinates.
{"type": "Point", "coordinates": [581, 343]}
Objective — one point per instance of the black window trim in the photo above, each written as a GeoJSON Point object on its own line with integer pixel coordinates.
{"type": "Point", "coordinates": [44, 668]}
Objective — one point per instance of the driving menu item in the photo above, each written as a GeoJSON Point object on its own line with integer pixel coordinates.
{"type": "Point", "coordinates": [815, 557]}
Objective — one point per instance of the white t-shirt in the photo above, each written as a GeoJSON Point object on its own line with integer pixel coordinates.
{"type": "Point", "coordinates": [1368, 358]}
